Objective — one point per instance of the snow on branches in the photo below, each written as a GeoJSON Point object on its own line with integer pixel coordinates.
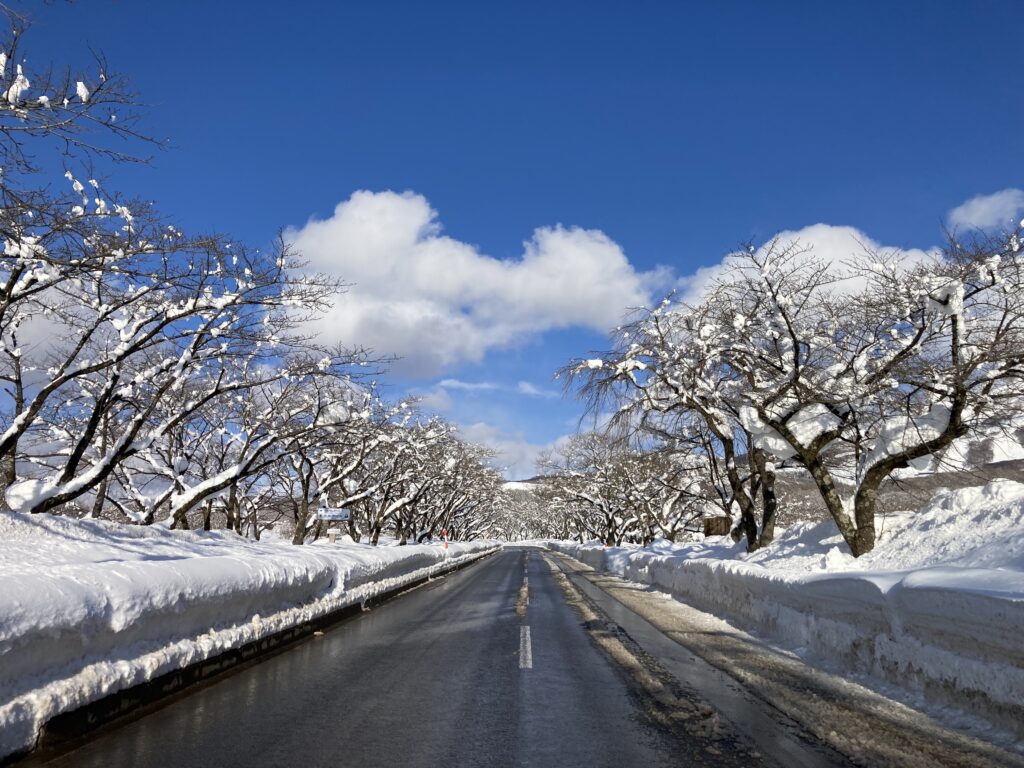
{"type": "Point", "coordinates": [850, 372]}
{"type": "Point", "coordinates": [150, 375]}
{"type": "Point", "coordinates": [600, 488]}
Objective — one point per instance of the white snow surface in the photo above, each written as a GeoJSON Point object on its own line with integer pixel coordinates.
{"type": "Point", "coordinates": [88, 608]}
{"type": "Point", "coordinates": [937, 607]}
{"type": "Point", "coordinates": [519, 485]}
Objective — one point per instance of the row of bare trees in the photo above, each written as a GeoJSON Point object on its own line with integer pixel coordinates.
{"type": "Point", "coordinates": [597, 486]}
{"type": "Point", "coordinates": [848, 372]}
{"type": "Point", "coordinates": [149, 375]}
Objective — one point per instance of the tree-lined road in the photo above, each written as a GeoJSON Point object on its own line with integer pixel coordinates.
{"type": "Point", "coordinates": [530, 659]}
{"type": "Point", "coordinates": [490, 666]}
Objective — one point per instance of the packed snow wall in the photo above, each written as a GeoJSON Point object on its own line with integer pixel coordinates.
{"type": "Point", "coordinates": [938, 608]}
{"type": "Point", "coordinates": [88, 609]}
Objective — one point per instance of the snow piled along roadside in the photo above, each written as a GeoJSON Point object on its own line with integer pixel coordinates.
{"type": "Point", "coordinates": [937, 607]}
{"type": "Point", "coordinates": [89, 608]}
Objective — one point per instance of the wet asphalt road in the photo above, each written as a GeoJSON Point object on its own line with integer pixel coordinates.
{"type": "Point", "coordinates": [444, 675]}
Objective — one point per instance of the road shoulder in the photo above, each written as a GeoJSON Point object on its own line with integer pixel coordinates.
{"type": "Point", "coordinates": [787, 707]}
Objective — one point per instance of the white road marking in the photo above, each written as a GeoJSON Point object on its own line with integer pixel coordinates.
{"type": "Point", "coordinates": [525, 648]}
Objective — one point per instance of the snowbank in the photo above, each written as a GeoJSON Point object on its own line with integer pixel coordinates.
{"type": "Point", "coordinates": [937, 607]}
{"type": "Point", "coordinates": [90, 608]}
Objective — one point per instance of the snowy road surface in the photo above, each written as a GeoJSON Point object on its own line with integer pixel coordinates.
{"type": "Point", "coordinates": [506, 663]}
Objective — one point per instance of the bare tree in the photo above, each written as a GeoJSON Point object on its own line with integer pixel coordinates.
{"type": "Point", "coordinates": [850, 371]}
{"type": "Point", "coordinates": [666, 378]}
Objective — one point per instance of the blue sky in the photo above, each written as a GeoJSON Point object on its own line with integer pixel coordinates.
{"type": "Point", "coordinates": [658, 135]}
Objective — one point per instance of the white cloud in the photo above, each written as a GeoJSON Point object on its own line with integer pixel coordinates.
{"type": "Point", "coordinates": [516, 456]}
{"type": "Point", "coordinates": [436, 301]}
{"type": "Point", "coordinates": [436, 400]}
{"type": "Point", "coordinates": [826, 242]}
{"type": "Point", "coordinates": [439, 397]}
{"type": "Point", "coordinates": [1000, 209]}
{"type": "Point", "coordinates": [468, 386]}
{"type": "Point", "coordinates": [528, 389]}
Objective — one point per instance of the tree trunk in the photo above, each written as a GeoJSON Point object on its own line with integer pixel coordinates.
{"type": "Point", "coordinates": [300, 521]}
{"type": "Point", "coordinates": [834, 503]}
{"type": "Point", "coordinates": [861, 536]}
{"type": "Point", "coordinates": [180, 521]}
{"type": "Point", "coordinates": [9, 477]}
{"type": "Point", "coordinates": [864, 504]}
{"type": "Point", "coordinates": [101, 496]}
{"type": "Point", "coordinates": [8, 461]}
{"type": "Point", "coordinates": [769, 501]}
{"type": "Point", "coordinates": [748, 520]}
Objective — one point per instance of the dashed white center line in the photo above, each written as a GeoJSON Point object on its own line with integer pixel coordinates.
{"type": "Point", "coordinates": [525, 648]}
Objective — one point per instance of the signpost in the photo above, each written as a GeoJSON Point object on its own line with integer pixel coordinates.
{"type": "Point", "coordinates": [335, 515]}
{"type": "Point", "coordinates": [343, 514]}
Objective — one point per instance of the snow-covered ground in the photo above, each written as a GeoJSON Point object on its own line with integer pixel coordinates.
{"type": "Point", "coordinates": [937, 607]}
{"type": "Point", "coordinates": [89, 608]}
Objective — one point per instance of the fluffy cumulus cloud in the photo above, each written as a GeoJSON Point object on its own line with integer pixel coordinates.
{"type": "Point", "coordinates": [996, 211]}
{"type": "Point", "coordinates": [436, 301]}
{"type": "Point", "coordinates": [825, 242]}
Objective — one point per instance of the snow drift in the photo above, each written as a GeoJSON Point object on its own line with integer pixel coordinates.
{"type": "Point", "coordinates": [937, 607]}
{"type": "Point", "coordinates": [89, 608]}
